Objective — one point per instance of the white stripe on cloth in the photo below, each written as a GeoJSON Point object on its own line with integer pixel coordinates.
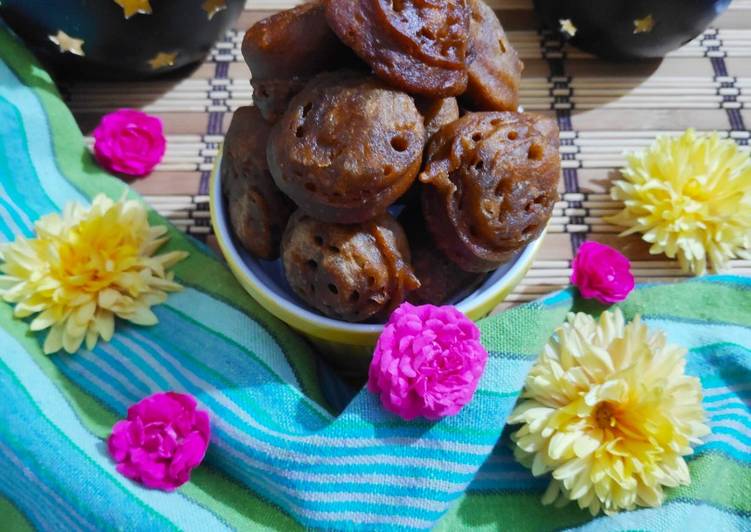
{"type": "Point", "coordinates": [19, 212]}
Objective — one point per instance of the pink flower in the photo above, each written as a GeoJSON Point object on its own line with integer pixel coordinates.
{"type": "Point", "coordinates": [427, 362]}
{"type": "Point", "coordinates": [129, 142]}
{"type": "Point", "coordinates": [162, 440]}
{"type": "Point", "coordinates": [600, 272]}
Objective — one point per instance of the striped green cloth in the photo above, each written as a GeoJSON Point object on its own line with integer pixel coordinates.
{"type": "Point", "coordinates": [290, 447]}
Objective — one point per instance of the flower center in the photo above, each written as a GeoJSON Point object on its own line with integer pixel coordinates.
{"type": "Point", "coordinates": [94, 253]}
{"type": "Point", "coordinates": [605, 415]}
{"type": "Point", "coordinates": [693, 189]}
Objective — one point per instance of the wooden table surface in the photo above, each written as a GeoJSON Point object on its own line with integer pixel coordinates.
{"type": "Point", "coordinates": [603, 109]}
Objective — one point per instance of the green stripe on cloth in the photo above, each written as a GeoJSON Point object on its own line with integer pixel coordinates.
{"type": "Point", "coordinates": [731, 483]}
{"type": "Point", "coordinates": [12, 519]}
{"type": "Point", "coordinates": [239, 507]}
{"type": "Point", "coordinates": [696, 299]}
{"type": "Point", "coordinates": [518, 334]}
{"type": "Point", "coordinates": [520, 512]}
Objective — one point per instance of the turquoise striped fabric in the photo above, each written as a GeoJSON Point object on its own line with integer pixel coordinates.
{"type": "Point", "coordinates": [291, 448]}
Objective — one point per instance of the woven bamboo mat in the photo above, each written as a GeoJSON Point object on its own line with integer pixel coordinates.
{"type": "Point", "coordinates": [602, 109]}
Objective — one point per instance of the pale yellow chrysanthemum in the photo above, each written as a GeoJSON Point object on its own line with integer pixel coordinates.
{"type": "Point", "coordinates": [84, 268]}
{"type": "Point", "coordinates": [690, 197]}
{"type": "Point", "coordinates": [608, 409]}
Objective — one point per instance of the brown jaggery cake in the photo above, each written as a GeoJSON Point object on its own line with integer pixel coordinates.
{"type": "Point", "coordinates": [490, 186]}
{"type": "Point", "coordinates": [419, 46]}
{"type": "Point", "coordinates": [437, 112]}
{"type": "Point", "coordinates": [493, 66]}
{"type": "Point", "coordinates": [441, 280]}
{"type": "Point", "coordinates": [285, 50]}
{"type": "Point", "coordinates": [347, 148]}
{"type": "Point", "coordinates": [350, 272]}
{"type": "Point", "coordinates": [258, 210]}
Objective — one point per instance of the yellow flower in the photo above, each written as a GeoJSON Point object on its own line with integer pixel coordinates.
{"type": "Point", "coordinates": [690, 197]}
{"type": "Point", "coordinates": [86, 267]}
{"type": "Point", "coordinates": [608, 409]}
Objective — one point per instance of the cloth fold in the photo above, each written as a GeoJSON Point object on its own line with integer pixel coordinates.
{"type": "Point", "coordinates": [282, 457]}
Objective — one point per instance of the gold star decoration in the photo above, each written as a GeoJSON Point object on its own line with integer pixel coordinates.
{"type": "Point", "coordinates": [67, 44]}
{"type": "Point", "coordinates": [568, 27]}
{"type": "Point", "coordinates": [212, 7]}
{"type": "Point", "coordinates": [133, 7]}
{"type": "Point", "coordinates": [162, 60]}
{"type": "Point", "coordinates": [644, 25]}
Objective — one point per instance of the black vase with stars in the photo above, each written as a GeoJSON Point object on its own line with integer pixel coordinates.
{"type": "Point", "coordinates": [627, 29]}
{"type": "Point", "coordinates": [119, 39]}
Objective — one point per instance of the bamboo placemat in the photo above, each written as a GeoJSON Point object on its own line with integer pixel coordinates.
{"type": "Point", "coordinates": [602, 108]}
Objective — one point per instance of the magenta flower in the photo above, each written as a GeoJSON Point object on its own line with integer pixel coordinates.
{"type": "Point", "coordinates": [129, 142]}
{"type": "Point", "coordinates": [601, 272]}
{"type": "Point", "coordinates": [161, 441]}
{"type": "Point", "coordinates": [427, 362]}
